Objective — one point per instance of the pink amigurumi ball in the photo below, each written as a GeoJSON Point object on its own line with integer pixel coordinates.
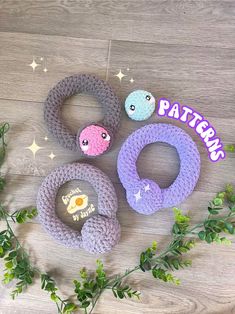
{"type": "Point", "coordinates": [94, 140]}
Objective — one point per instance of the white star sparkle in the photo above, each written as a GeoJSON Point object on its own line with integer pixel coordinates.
{"type": "Point", "coordinates": [120, 75]}
{"type": "Point", "coordinates": [45, 70]}
{"type": "Point", "coordinates": [34, 148]}
{"type": "Point", "coordinates": [52, 156]}
{"type": "Point", "coordinates": [46, 138]}
{"type": "Point", "coordinates": [147, 188]}
{"type": "Point", "coordinates": [34, 64]}
{"type": "Point", "coordinates": [137, 196]}
{"type": "Point", "coordinates": [132, 80]}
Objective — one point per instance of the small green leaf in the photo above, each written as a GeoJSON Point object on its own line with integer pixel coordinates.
{"type": "Point", "coordinates": [232, 198]}
{"type": "Point", "coordinates": [202, 235]}
{"type": "Point", "coordinates": [85, 304]}
{"type": "Point", "coordinates": [229, 188]}
{"type": "Point", "coordinates": [229, 227]}
{"type": "Point", "coordinates": [217, 201]}
{"type": "Point", "coordinates": [221, 195]}
{"type": "Point", "coordinates": [175, 263]}
{"type": "Point", "coordinates": [154, 245]}
{"type": "Point", "coordinates": [225, 241]}
{"type": "Point", "coordinates": [229, 148]}
{"type": "Point", "coordinates": [213, 212]}
{"type": "Point", "coordinates": [120, 294]}
{"type": "Point", "coordinates": [83, 274]}
{"type": "Point", "coordinates": [70, 307]}
{"type": "Point", "coordinates": [9, 265]}
{"type": "Point", "coordinates": [54, 297]}
{"type": "Point", "coordinates": [175, 229]}
{"type": "Point", "coordinates": [208, 238]}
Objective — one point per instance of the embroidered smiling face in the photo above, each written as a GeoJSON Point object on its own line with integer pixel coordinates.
{"type": "Point", "coordinates": [94, 140]}
{"type": "Point", "coordinates": [139, 105]}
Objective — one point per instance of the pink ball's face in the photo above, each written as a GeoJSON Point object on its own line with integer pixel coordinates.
{"type": "Point", "coordinates": [94, 140]}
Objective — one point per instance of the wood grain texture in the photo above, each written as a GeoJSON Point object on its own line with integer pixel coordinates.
{"type": "Point", "coordinates": [181, 50]}
{"type": "Point", "coordinates": [190, 22]}
{"type": "Point", "coordinates": [200, 77]}
{"type": "Point", "coordinates": [63, 56]}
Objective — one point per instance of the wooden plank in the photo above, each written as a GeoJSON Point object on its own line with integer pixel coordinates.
{"type": "Point", "coordinates": [199, 77]}
{"type": "Point", "coordinates": [61, 57]}
{"type": "Point", "coordinates": [199, 23]}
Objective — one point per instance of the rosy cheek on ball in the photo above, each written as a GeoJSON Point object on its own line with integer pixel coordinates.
{"type": "Point", "coordinates": [91, 141]}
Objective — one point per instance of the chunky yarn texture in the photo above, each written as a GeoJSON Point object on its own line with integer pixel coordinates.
{"type": "Point", "coordinates": [144, 195]}
{"type": "Point", "coordinates": [100, 232]}
{"type": "Point", "coordinates": [103, 131]}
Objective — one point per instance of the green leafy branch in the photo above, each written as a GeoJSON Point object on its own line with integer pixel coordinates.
{"type": "Point", "coordinates": [17, 263]}
{"type": "Point", "coordinates": [90, 286]}
{"type": "Point", "coordinates": [18, 266]}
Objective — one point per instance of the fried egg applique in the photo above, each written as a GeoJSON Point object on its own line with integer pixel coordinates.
{"type": "Point", "coordinates": [77, 202]}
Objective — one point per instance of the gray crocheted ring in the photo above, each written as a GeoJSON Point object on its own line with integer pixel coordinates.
{"type": "Point", "coordinates": [100, 232]}
{"type": "Point", "coordinates": [93, 139]}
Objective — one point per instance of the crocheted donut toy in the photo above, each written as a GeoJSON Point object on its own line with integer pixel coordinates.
{"type": "Point", "coordinates": [140, 105]}
{"type": "Point", "coordinates": [93, 139]}
{"type": "Point", "coordinates": [100, 232]}
{"type": "Point", "coordinates": [144, 195]}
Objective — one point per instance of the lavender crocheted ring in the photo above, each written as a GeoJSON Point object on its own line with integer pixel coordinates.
{"type": "Point", "coordinates": [93, 139]}
{"type": "Point", "coordinates": [144, 195]}
{"type": "Point", "coordinates": [100, 232]}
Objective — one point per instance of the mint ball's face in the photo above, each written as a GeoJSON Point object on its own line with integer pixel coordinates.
{"type": "Point", "coordinates": [140, 105]}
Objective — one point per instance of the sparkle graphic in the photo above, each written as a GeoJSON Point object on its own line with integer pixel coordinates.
{"type": "Point", "coordinates": [120, 75]}
{"type": "Point", "coordinates": [137, 196]}
{"type": "Point", "coordinates": [41, 58]}
{"type": "Point", "coordinates": [128, 69]}
{"type": "Point", "coordinates": [46, 138]}
{"type": "Point", "coordinates": [45, 70]}
{"type": "Point", "coordinates": [147, 188]}
{"type": "Point", "coordinates": [34, 148]}
{"type": "Point", "coordinates": [34, 64]}
{"type": "Point", "coordinates": [132, 80]}
{"type": "Point", "coordinates": [52, 156]}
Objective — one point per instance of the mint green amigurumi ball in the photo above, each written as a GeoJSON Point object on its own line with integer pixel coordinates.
{"type": "Point", "coordinates": [140, 105]}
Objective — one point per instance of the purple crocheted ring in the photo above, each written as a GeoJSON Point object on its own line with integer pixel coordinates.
{"type": "Point", "coordinates": [100, 232]}
{"type": "Point", "coordinates": [93, 139]}
{"type": "Point", "coordinates": [144, 195]}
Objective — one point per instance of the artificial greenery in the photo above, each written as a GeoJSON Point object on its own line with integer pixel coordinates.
{"type": "Point", "coordinates": [229, 148]}
{"type": "Point", "coordinates": [89, 287]}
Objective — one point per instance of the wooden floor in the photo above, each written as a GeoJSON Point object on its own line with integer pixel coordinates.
{"type": "Point", "coordinates": [181, 50]}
